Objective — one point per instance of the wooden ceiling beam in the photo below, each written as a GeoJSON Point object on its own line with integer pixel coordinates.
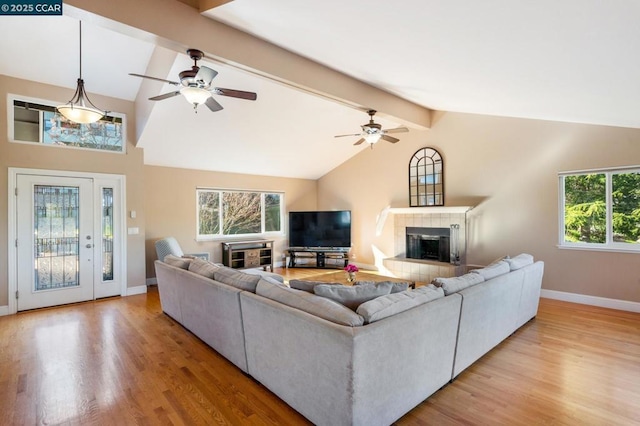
{"type": "Point", "coordinates": [175, 25]}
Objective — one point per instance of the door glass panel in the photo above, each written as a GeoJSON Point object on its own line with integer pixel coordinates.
{"type": "Point", "coordinates": [56, 227]}
{"type": "Point", "coordinates": [107, 234]}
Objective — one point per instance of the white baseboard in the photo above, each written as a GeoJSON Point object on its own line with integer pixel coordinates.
{"type": "Point", "coordinates": [4, 310]}
{"type": "Point", "coordinates": [603, 302]}
{"type": "Point", "coordinates": [152, 281]}
{"type": "Point", "coordinates": [132, 291]}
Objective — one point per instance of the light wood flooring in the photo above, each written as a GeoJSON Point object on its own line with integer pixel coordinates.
{"type": "Point", "coordinates": [121, 361]}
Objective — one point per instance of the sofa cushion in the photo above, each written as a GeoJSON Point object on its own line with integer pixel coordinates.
{"type": "Point", "coordinates": [494, 270]}
{"type": "Point", "coordinates": [305, 285]}
{"type": "Point", "coordinates": [352, 296]}
{"type": "Point", "coordinates": [179, 262]}
{"type": "Point", "coordinates": [310, 303]}
{"type": "Point", "coordinates": [519, 261]}
{"type": "Point", "coordinates": [394, 303]}
{"type": "Point", "coordinates": [236, 278]}
{"type": "Point", "coordinates": [203, 267]}
{"type": "Point", "coordinates": [396, 287]}
{"type": "Point", "coordinates": [455, 284]}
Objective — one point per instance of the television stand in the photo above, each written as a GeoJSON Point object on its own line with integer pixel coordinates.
{"type": "Point", "coordinates": [300, 257]}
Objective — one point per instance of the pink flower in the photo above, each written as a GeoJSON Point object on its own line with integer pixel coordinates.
{"type": "Point", "coordinates": [351, 268]}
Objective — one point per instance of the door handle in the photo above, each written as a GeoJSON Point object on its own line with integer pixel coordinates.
{"type": "Point", "coordinates": [89, 246]}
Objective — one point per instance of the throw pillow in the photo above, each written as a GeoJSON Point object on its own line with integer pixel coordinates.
{"type": "Point", "coordinates": [352, 296]}
{"type": "Point", "coordinates": [202, 267]}
{"type": "Point", "coordinates": [520, 261]}
{"type": "Point", "coordinates": [268, 281]}
{"type": "Point", "coordinates": [236, 278]}
{"type": "Point", "coordinates": [310, 303]}
{"type": "Point", "coordinates": [392, 304]}
{"type": "Point", "coordinates": [263, 274]}
{"type": "Point", "coordinates": [492, 271]}
{"type": "Point", "coordinates": [305, 285]}
{"type": "Point", "coordinates": [179, 262]}
{"type": "Point", "coordinates": [455, 284]}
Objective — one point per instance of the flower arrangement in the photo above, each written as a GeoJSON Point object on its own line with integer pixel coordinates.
{"type": "Point", "coordinates": [351, 268]}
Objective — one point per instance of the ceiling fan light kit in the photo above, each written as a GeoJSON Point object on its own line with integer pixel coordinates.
{"type": "Point", "coordinates": [372, 138]}
{"type": "Point", "coordinates": [197, 89]}
{"type": "Point", "coordinates": [76, 109]}
{"type": "Point", "coordinates": [195, 95]}
{"type": "Point", "coordinates": [372, 132]}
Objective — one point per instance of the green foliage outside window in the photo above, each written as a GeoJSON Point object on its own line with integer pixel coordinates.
{"type": "Point", "coordinates": [586, 208]}
{"type": "Point", "coordinates": [626, 207]}
{"type": "Point", "coordinates": [585, 211]}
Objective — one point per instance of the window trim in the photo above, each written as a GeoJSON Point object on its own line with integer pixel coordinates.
{"type": "Point", "coordinates": [609, 245]}
{"type": "Point", "coordinates": [220, 236]}
{"type": "Point", "coordinates": [11, 97]}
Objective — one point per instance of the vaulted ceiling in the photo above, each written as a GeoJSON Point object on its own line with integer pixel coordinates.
{"type": "Point", "coordinates": [318, 66]}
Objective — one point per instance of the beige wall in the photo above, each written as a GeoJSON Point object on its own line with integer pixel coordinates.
{"type": "Point", "coordinates": [507, 168]}
{"type": "Point", "coordinates": [46, 157]}
{"type": "Point", "coordinates": [170, 204]}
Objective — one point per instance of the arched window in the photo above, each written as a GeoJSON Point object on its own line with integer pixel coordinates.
{"type": "Point", "coordinates": [426, 178]}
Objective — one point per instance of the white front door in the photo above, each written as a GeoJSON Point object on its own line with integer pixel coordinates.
{"type": "Point", "coordinates": [55, 240]}
{"type": "Point", "coordinates": [68, 243]}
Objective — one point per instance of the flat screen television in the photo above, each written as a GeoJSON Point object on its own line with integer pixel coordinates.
{"type": "Point", "coordinates": [320, 229]}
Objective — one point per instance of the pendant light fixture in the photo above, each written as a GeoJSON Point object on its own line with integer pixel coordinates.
{"type": "Point", "coordinates": [80, 109]}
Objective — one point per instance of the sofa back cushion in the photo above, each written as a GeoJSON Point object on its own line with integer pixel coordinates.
{"type": "Point", "coordinates": [352, 296]}
{"type": "Point", "coordinates": [394, 303]}
{"type": "Point", "coordinates": [237, 279]}
{"type": "Point", "coordinates": [520, 261]}
{"type": "Point", "coordinates": [455, 284]}
{"type": "Point", "coordinates": [203, 267]}
{"type": "Point", "coordinates": [493, 270]}
{"type": "Point", "coordinates": [310, 303]}
{"type": "Point", "coordinates": [396, 287]}
{"type": "Point", "coordinates": [177, 261]}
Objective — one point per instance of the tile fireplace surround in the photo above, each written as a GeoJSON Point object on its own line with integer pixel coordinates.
{"type": "Point", "coordinates": [423, 271]}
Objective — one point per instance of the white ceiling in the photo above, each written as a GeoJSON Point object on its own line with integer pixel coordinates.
{"type": "Point", "coordinates": [574, 61]}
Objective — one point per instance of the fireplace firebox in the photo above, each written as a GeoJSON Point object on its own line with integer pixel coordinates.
{"type": "Point", "coordinates": [428, 243]}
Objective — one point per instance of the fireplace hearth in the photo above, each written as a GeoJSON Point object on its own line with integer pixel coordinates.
{"type": "Point", "coordinates": [428, 244]}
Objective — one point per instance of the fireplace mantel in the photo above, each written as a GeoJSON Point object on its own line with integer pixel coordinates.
{"type": "Point", "coordinates": [382, 217]}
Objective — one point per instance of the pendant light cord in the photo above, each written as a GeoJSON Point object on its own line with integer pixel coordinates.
{"type": "Point", "coordinates": [80, 49]}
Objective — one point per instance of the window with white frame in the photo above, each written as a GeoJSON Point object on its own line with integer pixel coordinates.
{"type": "Point", "coordinates": [238, 213]}
{"type": "Point", "coordinates": [600, 209]}
{"type": "Point", "coordinates": [37, 121]}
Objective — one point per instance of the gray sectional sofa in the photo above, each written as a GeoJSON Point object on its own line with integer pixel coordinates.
{"type": "Point", "coordinates": [340, 367]}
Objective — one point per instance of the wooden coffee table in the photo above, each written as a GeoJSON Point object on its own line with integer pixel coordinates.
{"type": "Point", "coordinates": [340, 277]}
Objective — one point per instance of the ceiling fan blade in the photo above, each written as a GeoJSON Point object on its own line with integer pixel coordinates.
{"type": "Point", "coordinates": [175, 83]}
{"type": "Point", "coordinates": [342, 136]}
{"type": "Point", "coordinates": [205, 75]}
{"type": "Point", "coordinates": [389, 138]}
{"type": "Point", "coordinates": [213, 105]}
{"type": "Point", "coordinates": [359, 141]}
{"type": "Point", "coordinates": [165, 96]}
{"type": "Point", "coordinates": [396, 130]}
{"type": "Point", "coordinates": [235, 93]}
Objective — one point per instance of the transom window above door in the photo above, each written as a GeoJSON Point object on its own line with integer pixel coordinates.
{"type": "Point", "coordinates": [37, 121]}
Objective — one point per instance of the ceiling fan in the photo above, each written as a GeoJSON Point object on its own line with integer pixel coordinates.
{"type": "Point", "coordinates": [196, 85]}
{"type": "Point", "coordinates": [372, 132]}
